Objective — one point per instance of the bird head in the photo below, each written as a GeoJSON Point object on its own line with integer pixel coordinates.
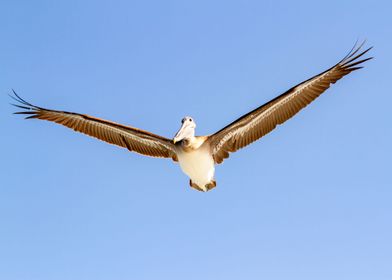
{"type": "Point", "coordinates": [186, 131]}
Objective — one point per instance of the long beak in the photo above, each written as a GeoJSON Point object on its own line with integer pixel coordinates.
{"type": "Point", "coordinates": [179, 135]}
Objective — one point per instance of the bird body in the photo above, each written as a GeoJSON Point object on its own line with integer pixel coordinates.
{"type": "Point", "coordinates": [196, 161]}
{"type": "Point", "coordinates": [198, 155]}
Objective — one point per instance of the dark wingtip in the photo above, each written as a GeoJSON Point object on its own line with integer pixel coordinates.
{"type": "Point", "coordinates": [351, 60]}
{"type": "Point", "coordinates": [31, 117]}
{"type": "Point", "coordinates": [23, 104]}
{"type": "Point", "coordinates": [20, 106]}
{"type": "Point", "coordinates": [16, 97]}
{"type": "Point", "coordinates": [353, 63]}
{"type": "Point", "coordinates": [354, 50]}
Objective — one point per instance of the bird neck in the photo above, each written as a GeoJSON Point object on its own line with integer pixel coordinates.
{"type": "Point", "coordinates": [189, 140]}
{"type": "Point", "coordinates": [191, 143]}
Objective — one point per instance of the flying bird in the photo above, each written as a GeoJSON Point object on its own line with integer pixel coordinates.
{"type": "Point", "coordinates": [198, 155]}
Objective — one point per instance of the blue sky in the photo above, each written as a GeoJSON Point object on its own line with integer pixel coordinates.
{"type": "Point", "coordinates": [311, 200]}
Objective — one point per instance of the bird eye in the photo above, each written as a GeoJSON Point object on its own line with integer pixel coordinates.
{"type": "Point", "coordinates": [190, 120]}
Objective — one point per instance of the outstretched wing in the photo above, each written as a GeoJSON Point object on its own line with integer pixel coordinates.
{"type": "Point", "coordinates": [265, 118]}
{"type": "Point", "coordinates": [136, 140]}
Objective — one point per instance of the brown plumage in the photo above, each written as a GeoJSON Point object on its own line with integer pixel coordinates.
{"type": "Point", "coordinates": [265, 118]}
{"type": "Point", "coordinates": [131, 138]}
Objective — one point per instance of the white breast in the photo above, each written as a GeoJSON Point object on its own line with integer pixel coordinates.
{"type": "Point", "coordinates": [198, 165]}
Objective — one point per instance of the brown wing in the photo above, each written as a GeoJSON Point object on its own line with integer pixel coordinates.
{"type": "Point", "coordinates": [137, 140]}
{"type": "Point", "coordinates": [265, 118]}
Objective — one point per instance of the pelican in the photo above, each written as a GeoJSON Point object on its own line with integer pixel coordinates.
{"type": "Point", "coordinates": [198, 155]}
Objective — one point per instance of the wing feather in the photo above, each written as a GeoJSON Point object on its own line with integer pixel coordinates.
{"type": "Point", "coordinates": [265, 118]}
{"type": "Point", "coordinates": [133, 139]}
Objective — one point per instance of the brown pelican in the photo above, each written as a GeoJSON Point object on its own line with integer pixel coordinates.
{"type": "Point", "coordinates": [197, 155]}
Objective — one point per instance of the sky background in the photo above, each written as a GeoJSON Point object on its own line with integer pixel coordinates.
{"type": "Point", "coordinates": [311, 200]}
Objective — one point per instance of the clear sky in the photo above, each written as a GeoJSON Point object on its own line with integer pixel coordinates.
{"type": "Point", "coordinates": [311, 200]}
